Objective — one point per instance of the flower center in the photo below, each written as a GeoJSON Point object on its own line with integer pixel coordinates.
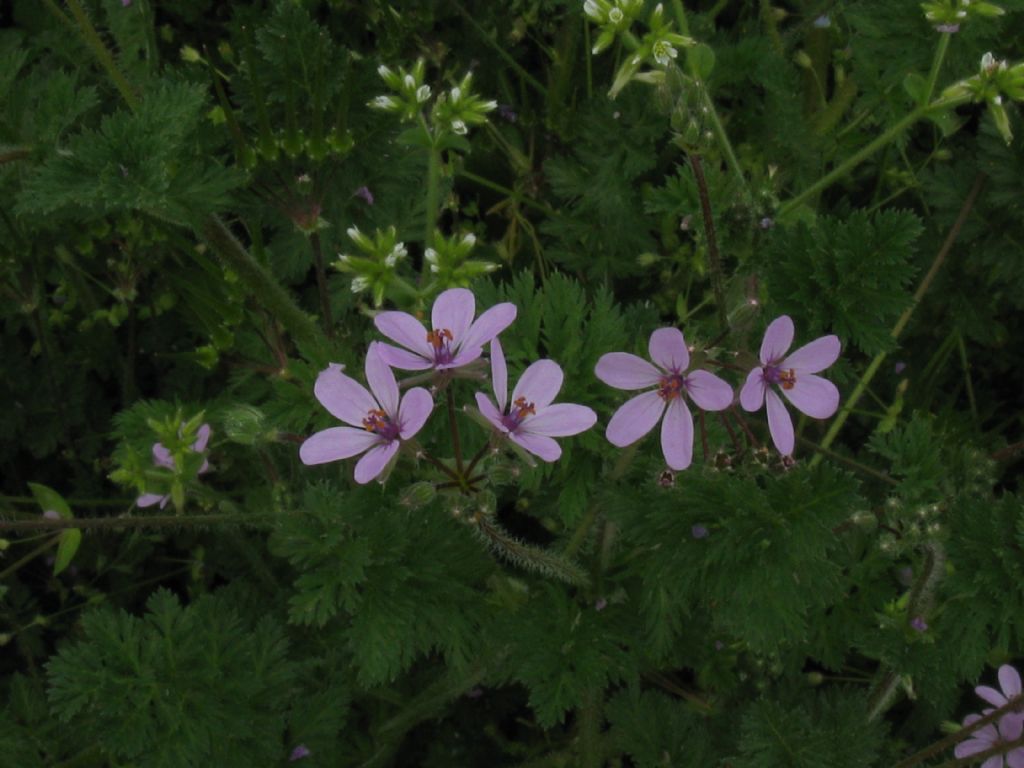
{"type": "Point", "coordinates": [441, 340]}
{"type": "Point", "coordinates": [518, 411]}
{"type": "Point", "coordinates": [784, 378]}
{"type": "Point", "coordinates": [378, 422]}
{"type": "Point", "coordinates": [671, 386]}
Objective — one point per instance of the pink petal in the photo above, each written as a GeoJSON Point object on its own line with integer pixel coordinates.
{"type": "Point", "coordinates": [202, 438]}
{"type": "Point", "coordinates": [381, 380]}
{"type": "Point", "coordinates": [375, 461]}
{"type": "Point", "coordinates": [1011, 727]}
{"type": "Point", "coordinates": [204, 468]}
{"type": "Point", "coordinates": [344, 397]}
{"type": "Point", "coordinates": [492, 414]}
{"type": "Point", "coordinates": [991, 695]}
{"type": "Point", "coordinates": [453, 310]}
{"type": "Point", "coordinates": [162, 456]}
{"type": "Point", "coordinates": [499, 374]}
{"type": "Point", "coordinates": [403, 359]}
{"type": "Point", "coordinates": [752, 394]}
{"type": "Point", "coordinates": [559, 420]}
{"type": "Point", "coordinates": [464, 357]}
{"type": "Point", "coordinates": [487, 326]}
{"type": "Point", "coordinates": [779, 424]}
{"type": "Point", "coordinates": [540, 446]}
{"type": "Point", "coordinates": [1009, 681]}
{"type": "Point", "coordinates": [667, 348]}
{"type": "Point", "coordinates": [815, 356]}
{"type": "Point", "coordinates": [625, 371]}
{"type": "Point", "coordinates": [975, 744]}
{"type": "Point", "coordinates": [708, 391]}
{"type": "Point", "coordinates": [635, 419]}
{"type": "Point", "coordinates": [813, 395]}
{"type": "Point", "coordinates": [1015, 758]}
{"type": "Point", "coordinates": [996, 761]}
{"type": "Point", "coordinates": [413, 412]}
{"type": "Point", "coordinates": [149, 499]}
{"type": "Point", "coordinates": [777, 339]}
{"type": "Point", "coordinates": [539, 384]}
{"type": "Point", "coordinates": [336, 443]}
{"type": "Point", "coordinates": [677, 435]}
{"type": "Point", "coordinates": [403, 328]}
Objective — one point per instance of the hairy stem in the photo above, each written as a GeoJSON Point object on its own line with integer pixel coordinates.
{"type": "Point", "coordinates": [454, 427]}
{"type": "Point", "coordinates": [152, 521]}
{"type": "Point", "coordinates": [901, 323]}
{"type": "Point", "coordinates": [102, 54]}
{"type": "Point", "coordinates": [433, 193]}
{"type": "Point", "coordinates": [321, 283]}
{"type": "Point", "coordinates": [714, 260]}
{"type": "Point", "coordinates": [525, 555]}
{"type": "Point", "coordinates": [267, 291]}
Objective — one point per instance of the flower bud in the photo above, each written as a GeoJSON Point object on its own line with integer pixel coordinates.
{"type": "Point", "coordinates": [417, 495]}
{"type": "Point", "coordinates": [246, 425]}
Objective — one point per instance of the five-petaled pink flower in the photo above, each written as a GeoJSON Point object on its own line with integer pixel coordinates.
{"type": "Point", "coordinates": [793, 375]}
{"type": "Point", "coordinates": [990, 737]}
{"type": "Point", "coordinates": [672, 381]}
{"type": "Point", "coordinates": [379, 421]}
{"type": "Point", "coordinates": [454, 338]}
{"type": "Point", "coordinates": [162, 458]}
{"type": "Point", "coordinates": [529, 419]}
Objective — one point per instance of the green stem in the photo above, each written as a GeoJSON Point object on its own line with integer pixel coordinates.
{"type": "Point", "coordinates": [153, 521]}
{"type": "Point", "coordinates": [102, 54]}
{"type": "Point", "coordinates": [768, 18]}
{"type": "Point", "coordinates": [433, 193]}
{"type": "Point", "coordinates": [454, 427]}
{"type": "Point", "coordinates": [267, 291]}
{"type": "Point", "coordinates": [321, 282]}
{"type": "Point", "coordinates": [28, 558]}
{"type": "Point", "coordinates": [590, 718]}
{"type": "Point", "coordinates": [897, 329]}
{"type": "Point", "coordinates": [534, 83]}
{"type": "Point", "coordinates": [967, 376]}
{"type": "Point", "coordinates": [933, 75]}
{"type": "Point", "coordinates": [511, 193]}
{"type": "Point", "coordinates": [791, 206]}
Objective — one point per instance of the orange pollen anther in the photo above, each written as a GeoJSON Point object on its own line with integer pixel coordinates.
{"type": "Point", "coordinates": [787, 378]}
{"type": "Point", "coordinates": [523, 408]}
{"type": "Point", "coordinates": [376, 421]}
{"type": "Point", "coordinates": [437, 338]}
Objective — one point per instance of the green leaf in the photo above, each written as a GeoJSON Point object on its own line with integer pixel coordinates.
{"type": "Point", "coordinates": [916, 87]}
{"type": "Point", "coordinates": [66, 549]}
{"type": "Point", "coordinates": [50, 501]}
{"type": "Point", "coordinates": [701, 59]}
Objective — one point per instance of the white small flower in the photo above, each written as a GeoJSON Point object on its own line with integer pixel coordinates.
{"type": "Point", "coordinates": [410, 82]}
{"type": "Point", "coordinates": [359, 284]}
{"type": "Point", "coordinates": [422, 93]}
{"type": "Point", "coordinates": [997, 99]}
{"type": "Point", "coordinates": [489, 106]}
{"type": "Point", "coordinates": [456, 94]}
{"type": "Point", "coordinates": [592, 10]}
{"type": "Point", "coordinates": [615, 15]}
{"type": "Point", "coordinates": [459, 127]}
{"type": "Point", "coordinates": [434, 268]}
{"type": "Point", "coordinates": [430, 255]}
{"type": "Point", "coordinates": [988, 62]}
{"type": "Point", "coordinates": [469, 239]}
{"type": "Point", "coordinates": [383, 102]}
{"type": "Point", "coordinates": [398, 252]}
{"type": "Point", "coordinates": [354, 233]}
{"type": "Point", "coordinates": [384, 71]}
{"type": "Point", "coordinates": [664, 53]}
{"type": "Point", "coordinates": [344, 258]}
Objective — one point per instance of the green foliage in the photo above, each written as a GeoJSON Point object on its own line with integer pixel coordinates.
{"type": "Point", "coordinates": [656, 730]}
{"type": "Point", "coordinates": [180, 686]}
{"type": "Point", "coordinates": [811, 729]}
{"type": "Point", "coordinates": [850, 275]}
{"type": "Point", "coordinates": [146, 160]}
{"type": "Point", "coordinates": [403, 582]}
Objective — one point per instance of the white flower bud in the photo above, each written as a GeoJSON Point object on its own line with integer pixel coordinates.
{"type": "Point", "coordinates": [410, 82]}
{"type": "Point", "coordinates": [422, 93]}
{"type": "Point", "coordinates": [383, 102]}
{"type": "Point", "coordinates": [344, 258]}
{"type": "Point", "coordinates": [489, 106]}
{"type": "Point", "coordinates": [359, 284]}
{"type": "Point", "coordinates": [430, 255]}
{"type": "Point", "coordinates": [592, 10]}
{"type": "Point", "coordinates": [459, 127]}
{"type": "Point", "coordinates": [354, 233]}
{"type": "Point", "coordinates": [384, 71]}
{"type": "Point", "coordinates": [434, 268]}
{"type": "Point", "coordinates": [615, 15]}
{"type": "Point", "coordinates": [988, 62]}
{"type": "Point", "coordinates": [398, 252]}
{"type": "Point", "coordinates": [469, 239]}
{"type": "Point", "coordinates": [456, 94]}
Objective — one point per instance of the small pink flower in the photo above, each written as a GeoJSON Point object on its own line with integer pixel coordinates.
{"type": "Point", "coordinates": [1012, 724]}
{"type": "Point", "coordinates": [530, 420]}
{"type": "Point", "coordinates": [989, 737]}
{"type": "Point", "coordinates": [672, 381]}
{"type": "Point", "coordinates": [162, 458]}
{"type": "Point", "coordinates": [794, 377]}
{"type": "Point", "coordinates": [379, 421]}
{"type": "Point", "coordinates": [454, 338]}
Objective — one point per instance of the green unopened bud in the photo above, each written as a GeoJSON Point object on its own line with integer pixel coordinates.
{"type": "Point", "coordinates": [190, 54]}
{"type": "Point", "coordinates": [504, 474]}
{"type": "Point", "coordinates": [246, 425]}
{"type": "Point", "coordinates": [815, 678]}
{"type": "Point", "coordinates": [486, 502]}
{"type": "Point", "coordinates": [1001, 118]}
{"type": "Point", "coordinates": [4, 544]}
{"type": "Point", "coordinates": [417, 495]}
{"type": "Point", "coordinates": [802, 60]}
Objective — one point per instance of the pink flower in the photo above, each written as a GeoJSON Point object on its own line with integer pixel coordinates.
{"type": "Point", "coordinates": [454, 338]}
{"type": "Point", "coordinates": [530, 420]}
{"type": "Point", "coordinates": [638, 416]}
{"type": "Point", "coordinates": [379, 421]}
{"type": "Point", "coordinates": [989, 737]}
{"type": "Point", "coordinates": [162, 458]}
{"type": "Point", "coordinates": [1010, 688]}
{"type": "Point", "coordinates": [794, 377]}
